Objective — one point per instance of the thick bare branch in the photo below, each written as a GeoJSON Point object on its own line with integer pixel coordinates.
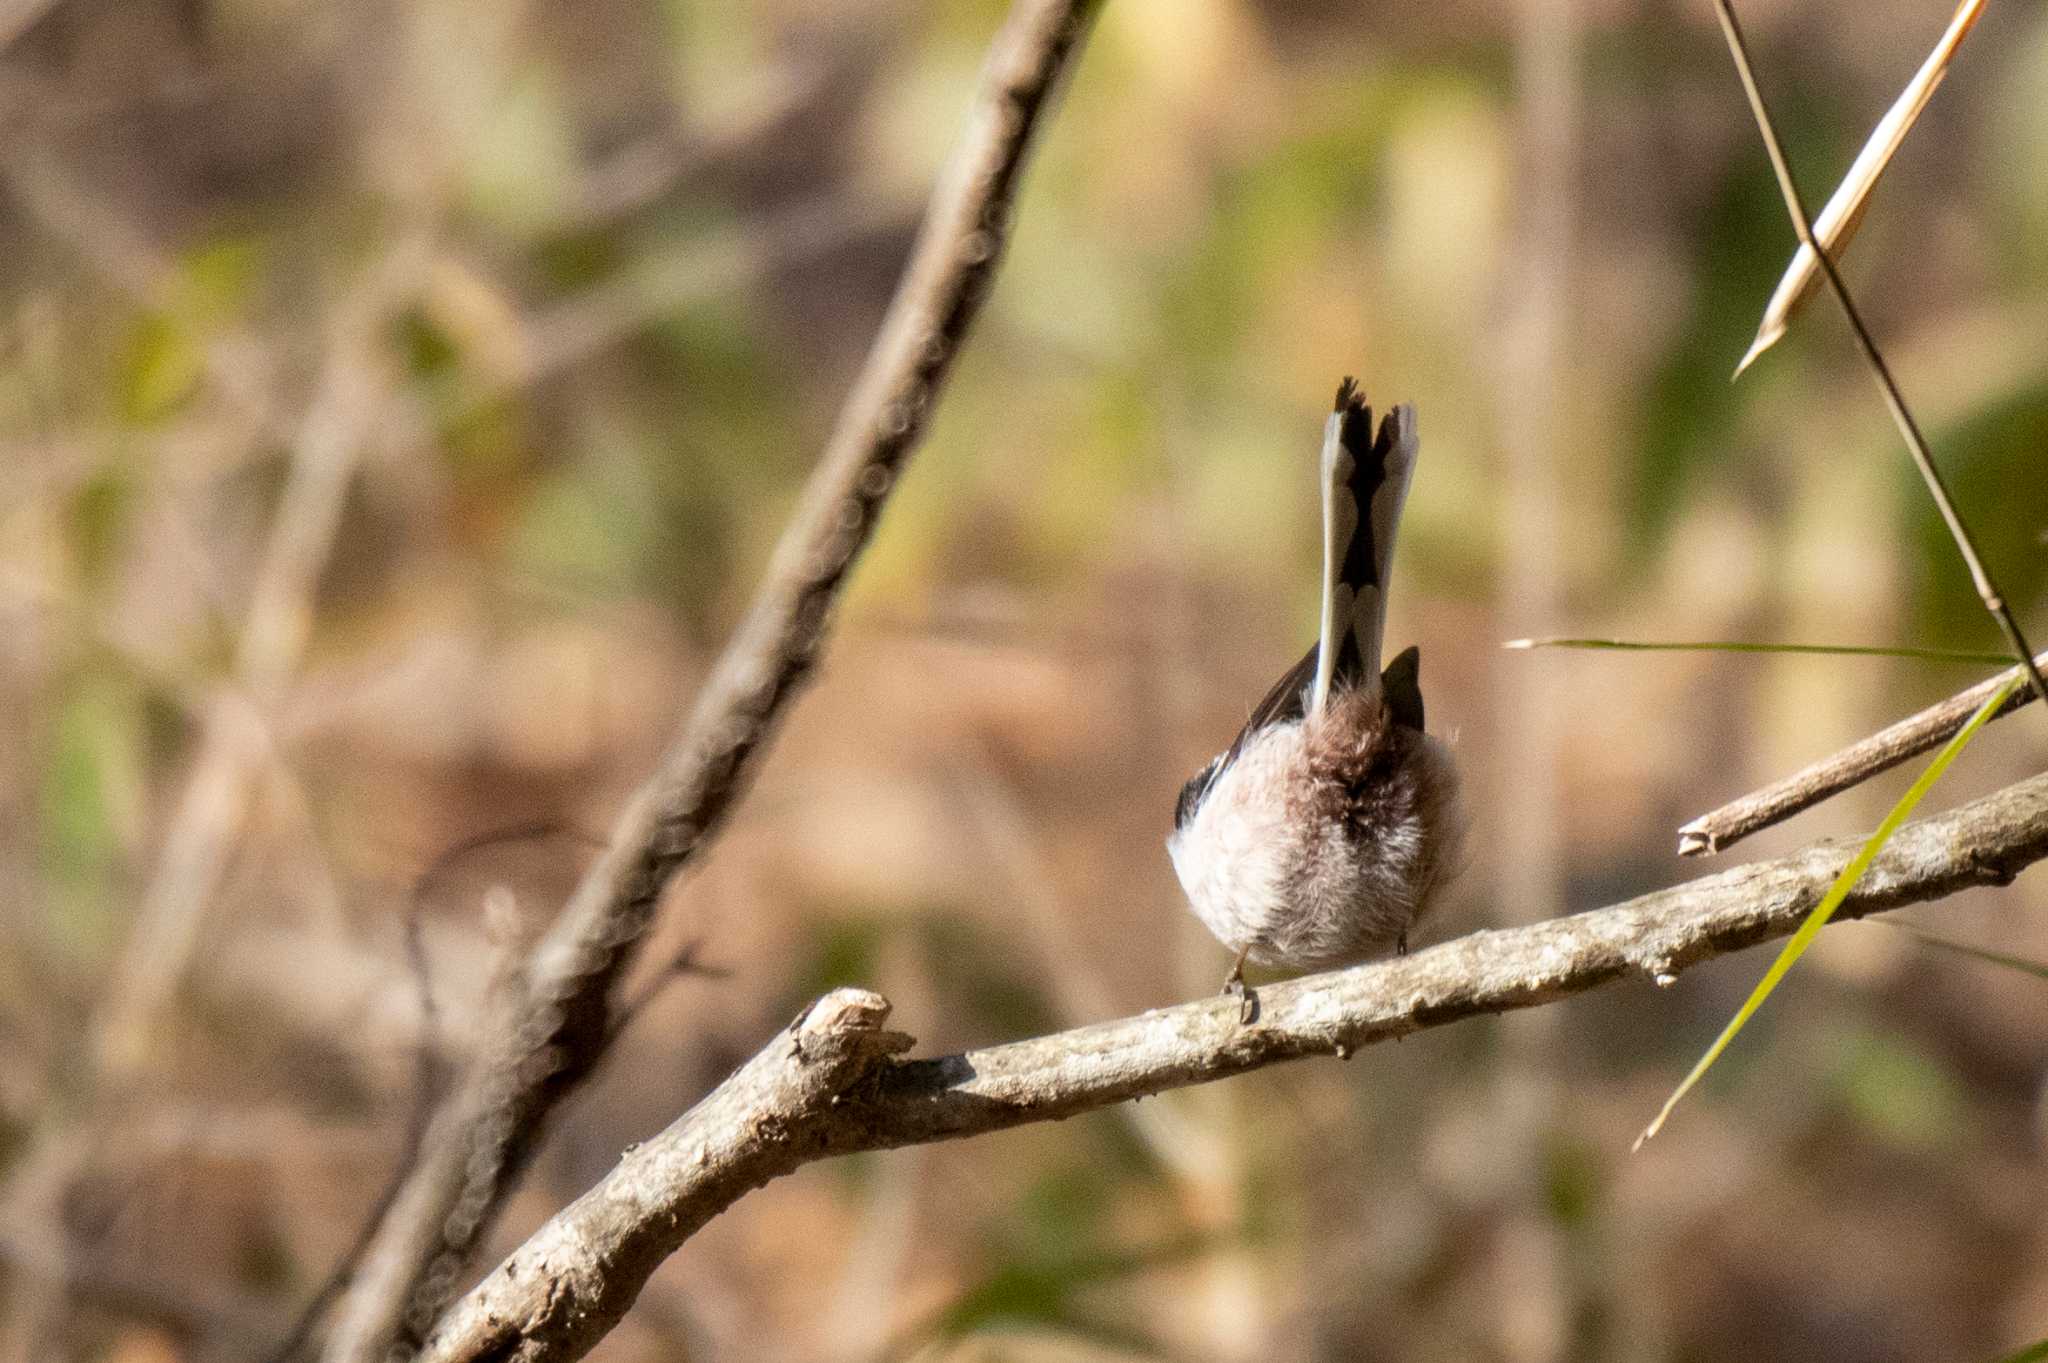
{"type": "Point", "coordinates": [604, 1246]}
{"type": "Point", "coordinates": [832, 1087]}
{"type": "Point", "coordinates": [1853, 765]}
{"type": "Point", "coordinates": [555, 1032]}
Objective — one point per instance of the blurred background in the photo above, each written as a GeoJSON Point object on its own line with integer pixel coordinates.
{"type": "Point", "coordinates": [399, 400]}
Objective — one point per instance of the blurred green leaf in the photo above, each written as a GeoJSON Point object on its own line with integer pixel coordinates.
{"type": "Point", "coordinates": [1063, 1210]}
{"type": "Point", "coordinates": [1900, 1094]}
{"type": "Point", "coordinates": [486, 446]}
{"type": "Point", "coordinates": [91, 772]}
{"type": "Point", "coordinates": [2006, 515]}
{"type": "Point", "coordinates": [2033, 1353]}
{"type": "Point", "coordinates": [577, 260]}
{"type": "Point", "coordinates": [483, 441]}
{"type": "Point", "coordinates": [582, 534]}
{"type": "Point", "coordinates": [985, 976]}
{"type": "Point", "coordinates": [157, 371]}
{"type": "Point", "coordinates": [736, 387]}
{"type": "Point", "coordinates": [2015, 133]}
{"type": "Point", "coordinates": [96, 520]}
{"type": "Point", "coordinates": [844, 949]}
{"type": "Point", "coordinates": [522, 159]}
{"type": "Point", "coordinates": [1272, 220]}
{"type": "Point", "coordinates": [1687, 422]}
{"type": "Point", "coordinates": [1572, 1181]}
{"type": "Point", "coordinates": [1043, 1292]}
{"type": "Point", "coordinates": [428, 351]}
{"type": "Point", "coordinates": [217, 279]}
{"type": "Point", "coordinates": [162, 362]}
{"type": "Point", "coordinates": [720, 449]}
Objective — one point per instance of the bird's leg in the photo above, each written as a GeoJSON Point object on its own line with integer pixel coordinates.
{"type": "Point", "coordinates": [1401, 943]}
{"type": "Point", "coordinates": [1247, 1000]}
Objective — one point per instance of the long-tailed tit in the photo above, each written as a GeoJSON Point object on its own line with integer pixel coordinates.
{"type": "Point", "coordinates": [1320, 835]}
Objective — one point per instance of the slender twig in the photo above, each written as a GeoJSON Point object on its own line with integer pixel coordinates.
{"type": "Point", "coordinates": [1909, 429]}
{"type": "Point", "coordinates": [1853, 765]}
{"type": "Point", "coordinates": [829, 1086]}
{"type": "Point", "coordinates": [682, 965]}
{"type": "Point", "coordinates": [427, 1080]}
{"type": "Point", "coordinates": [428, 1076]}
{"type": "Point", "coordinates": [553, 1035]}
{"type": "Point", "coordinates": [1928, 655]}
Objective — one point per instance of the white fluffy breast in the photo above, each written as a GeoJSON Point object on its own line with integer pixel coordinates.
{"type": "Point", "coordinates": [1288, 859]}
{"type": "Point", "coordinates": [1236, 856]}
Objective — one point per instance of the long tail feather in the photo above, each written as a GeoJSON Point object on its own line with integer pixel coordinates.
{"type": "Point", "coordinates": [1365, 483]}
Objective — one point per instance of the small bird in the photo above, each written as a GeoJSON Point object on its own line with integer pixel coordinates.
{"type": "Point", "coordinates": [1319, 837]}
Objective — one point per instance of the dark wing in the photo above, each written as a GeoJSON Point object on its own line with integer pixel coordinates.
{"type": "Point", "coordinates": [1287, 701]}
{"type": "Point", "coordinates": [1402, 685]}
{"type": "Point", "coordinates": [1191, 794]}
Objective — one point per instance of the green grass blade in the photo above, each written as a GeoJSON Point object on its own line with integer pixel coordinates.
{"type": "Point", "coordinates": [1837, 892]}
{"type": "Point", "coordinates": [2020, 963]}
{"type": "Point", "coordinates": [1937, 655]}
{"type": "Point", "coordinates": [2033, 1353]}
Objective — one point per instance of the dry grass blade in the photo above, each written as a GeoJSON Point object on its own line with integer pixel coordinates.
{"type": "Point", "coordinates": [1894, 399]}
{"type": "Point", "coordinates": [1843, 212]}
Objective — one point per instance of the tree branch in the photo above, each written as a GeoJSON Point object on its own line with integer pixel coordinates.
{"type": "Point", "coordinates": [1817, 781]}
{"type": "Point", "coordinates": [548, 1036]}
{"type": "Point", "coordinates": [830, 1086]}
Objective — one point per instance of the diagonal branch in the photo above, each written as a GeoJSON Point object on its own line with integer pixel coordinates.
{"type": "Point", "coordinates": [830, 1087]}
{"type": "Point", "coordinates": [549, 1035]}
{"type": "Point", "coordinates": [1722, 828]}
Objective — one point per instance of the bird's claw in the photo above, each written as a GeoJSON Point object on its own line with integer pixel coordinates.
{"type": "Point", "coordinates": [1247, 997]}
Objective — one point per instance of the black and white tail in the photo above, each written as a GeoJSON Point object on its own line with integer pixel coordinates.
{"type": "Point", "coordinates": [1365, 482]}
